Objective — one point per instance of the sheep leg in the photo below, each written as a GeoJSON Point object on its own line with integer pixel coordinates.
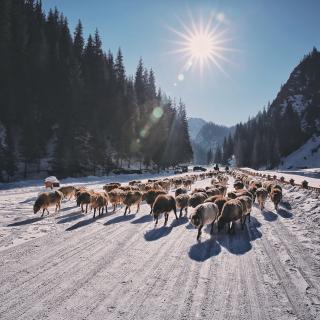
{"type": "Point", "coordinates": [199, 232]}
{"type": "Point", "coordinates": [186, 211]}
{"type": "Point", "coordinates": [47, 210]}
{"type": "Point", "coordinates": [212, 224]}
{"type": "Point", "coordinates": [125, 211]}
{"type": "Point", "coordinates": [244, 222]}
{"type": "Point", "coordinates": [129, 209]}
{"type": "Point", "coordinates": [43, 212]}
{"type": "Point", "coordinates": [156, 222]}
{"type": "Point", "coordinates": [94, 213]}
{"type": "Point", "coordinates": [106, 208]}
{"type": "Point", "coordinates": [86, 208]}
{"type": "Point", "coordinates": [82, 208]}
{"type": "Point", "coordinates": [138, 207]}
{"type": "Point", "coordinates": [180, 213]}
{"type": "Point", "coordinates": [249, 216]}
{"type": "Point", "coordinates": [166, 215]}
{"type": "Point", "coordinates": [175, 213]}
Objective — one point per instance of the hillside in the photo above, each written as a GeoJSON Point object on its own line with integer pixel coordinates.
{"type": "Point", "coordinates": [286, 124]}
{"type": "Point", "coordinates": [205, 136]}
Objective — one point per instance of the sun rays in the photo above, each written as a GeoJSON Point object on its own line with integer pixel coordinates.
{"type": "Point", "coordinates": [202, 44]}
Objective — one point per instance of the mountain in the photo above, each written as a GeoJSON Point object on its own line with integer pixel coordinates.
{"type": "Point", "coordinates": [286, 124]}
{"type": "Point", "coordinates": [195, 125]}
{"type": "Point", "coordinates": [205, 136]}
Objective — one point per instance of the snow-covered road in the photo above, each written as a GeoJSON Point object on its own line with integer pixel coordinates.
{"type": "Point", "coordinates": [70, 266]}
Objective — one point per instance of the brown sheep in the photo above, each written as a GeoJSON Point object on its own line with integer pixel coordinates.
{"type": "Point", "coordinates": [84, 197]}
{"type": "Point", "coordinates": [182, 202]}
{"type": "Point", "coordinates": [246, 202]}
{"type": "Point", "coordinates": [213, 198]}
{"type": "Point", "coordinates": [262, 195]}
{"type": "Point", "coordinates": [164, 204]}
{"type": "Point", "coordinates": [150, 196]}
{"type": "Point", "coordinates": [187, 183]}
{"type": "Point", "coordinates": [205, 213]}
{"type": "Point", "coordinates": [213, 192]}
{"type": "Point", "coordinates": [99, 201]}
{"type": "Point", "coordinates": [197, 198]}
{"type": "Point", "coordinates": [276, 197]}
{"type": "Point", "coordinates": [197, 190]}
{"type": "Point", "coordinates": [116, 197]}
{"type": "Point", "coordinates": [180, 191]}
{"type": "Point", "coordinates": [48, 199]}
{"type": "Point", "coordinates": [111, 186]}
{"type": "Point", "coordinates": [132, 198]}
{"type": "Point", "coordinates": [220, 203]}
{"type": "Point", "coordinates": [231, 212]}
{"type": "Point", "coordinates": [238, 185]}
{"type": "Point", "coordinates": [68, 191]}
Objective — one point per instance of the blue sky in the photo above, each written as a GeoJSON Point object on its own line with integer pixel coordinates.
{"type": "Point", "coordinates": [270, 38]}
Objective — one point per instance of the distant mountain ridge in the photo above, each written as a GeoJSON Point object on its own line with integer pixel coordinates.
{"type": "Point", "coordinates": [205, 136]}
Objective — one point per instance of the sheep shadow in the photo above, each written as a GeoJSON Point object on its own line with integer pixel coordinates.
{"type": "Point", "coordinates": [119, 219]}
{"type": "Point", "coordinates": [238, 243]}
{"type": "Point", "coordinates": [284, 213]}
{"type": "Point", "coordinates": [179, 222]}
{"type": "Point", "coordinates": [190, 226]}
{"type": "Point", "coordinates": [143, 219]}
{"type": "Point", "coordinates": [157, 233]}
{"type": "Point", "coordinates": [28, 200]}
{"type": "Point", "coordinates": [68, 208]}
{"type": "Point", "coordinates": [269, 215]}
{"type": "Point", "coordinates": [25, 222]}
{"type": "Point", "coordinates": [286, 205]}
{"type": "Point", "coordinates": [84, 223]}
{"type": "Point", "coordinates": [203, 251]}
{"type": "Point", "coordinates": [70, 218]}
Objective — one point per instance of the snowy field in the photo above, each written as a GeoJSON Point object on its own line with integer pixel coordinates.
{"type": "Point", "coordinates": [70, 266]}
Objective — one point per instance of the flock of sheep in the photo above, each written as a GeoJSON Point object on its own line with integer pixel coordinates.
{"type": "Point", "coordinates": [210, 204]}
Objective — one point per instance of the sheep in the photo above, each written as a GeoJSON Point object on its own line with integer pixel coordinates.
{"type": "Point", "coordinates": [197, 198]}
{"type": "Point", "coordinates": [132, 198]}
{"type": "Point", "coordinates": [151, 195]}
{"type": "Point", "coordinates": [84, 197]}
{"type": "Point", "coordinates": [182, 202]}
{"type": "Point", "coordinates": [110, 186]}
{"type": "Point", "coordinates": [134, 182]}
{"type": "Point", "coordinates": [213, 198]}
{"type": "Point", "coordinates": [48, 199]}
{"type": "Point", "coordinates": [165, 185]}
{"type": "Point", "coordinates": [262, 195]}
{"type": "Point", "coordinates": [238, 185]}
{"type": "Point", "coordinates": [205, 213]}
{"type": "Point", "coordinates": [68, 191]}
{"type": "Point", "coordinates": [213, 192]}
{"type": "Point", "coordinates": [99, 201]}
{"type": "Point", "coordinates": [164, 204]}
{"type": "Point", "coordinates": [116, 197]}
{"type": "Point", "coordinates": [187, 183]}
{"type": "Point", "coordinates": [220, 203]}
{"type": "Point", "coordinates": [177, 182]}
{"type": "Point", "coordinates": [253, 190]}
{"type": "Point", "coordinates": [197, 190]}
{"type": "Point", "coordinates": [180, 191]}
{"type": "Point", "coordinates": [276, 197]}
{"type": "Point", "coordinates": [231, 211]}
{"type": "Point", "coordinates": [246, 202]}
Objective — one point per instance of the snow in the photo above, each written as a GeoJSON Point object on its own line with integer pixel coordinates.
{"type": "Point", "coordinates": [69, 266]}
{"type": "Point", "coordinates": [307, 156]}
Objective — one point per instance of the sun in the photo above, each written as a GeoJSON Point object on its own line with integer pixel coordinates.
{"type": "Point", "coordinates": [203, 44]}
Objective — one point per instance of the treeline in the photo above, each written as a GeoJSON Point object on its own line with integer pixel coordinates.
{"type": "Point", "coordinates": [282, 127]}
{"type": "Point", "coordinates": [64, 99]}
